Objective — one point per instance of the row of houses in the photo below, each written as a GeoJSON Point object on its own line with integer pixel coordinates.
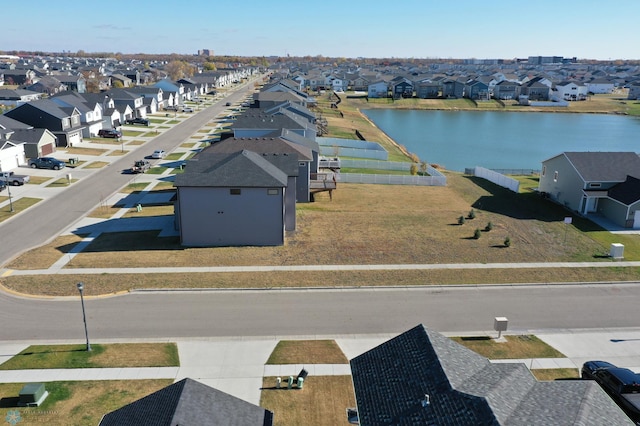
{"type": "Point", "coordinates": [35, 127]}
{"type": "Point", "coordinates": [243, 190]}
{"type": "Point", "coordinates": [54, 74]}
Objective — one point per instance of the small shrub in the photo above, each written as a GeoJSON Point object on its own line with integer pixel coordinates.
{"type": "Point", "coordinates": [472, 214]}
{"type": "Point", "coordinates": [507, 242]}
{"type": "Point", "coordinates": [413, 169]}
{"type": "Point", "coordinates": [477, 233]}
{"type": "Point", "coordinates": [461, 220]}
{"type": "Point", "coordinates": [489, 227]}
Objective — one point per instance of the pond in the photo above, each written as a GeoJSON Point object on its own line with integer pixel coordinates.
{"type": "Point", "coordinates": [504, 140]}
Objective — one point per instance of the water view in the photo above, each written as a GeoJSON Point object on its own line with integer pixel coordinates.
{"type": "Point", "coordinates": [504, 140]}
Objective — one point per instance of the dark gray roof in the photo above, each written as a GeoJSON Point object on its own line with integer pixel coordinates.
{"type": "Point", "coordinates": [188, 402]}
{"type": "Point", "coordinates": [10, 123]}
{"type": "Point", "coordinates": [28, 135]}
{"type": "Point", "coordinates": [605, 166]}
{"type": "Point", "coordinates": [242, 169]}
{"type": "Point", "coordinates": [392, 380]}
{"type": "Point", "coordinates": [251, 120]}
{"type": "Point", "coordinates": [263, 145]}
{"type": "Point", "coordinates": [627, 192]}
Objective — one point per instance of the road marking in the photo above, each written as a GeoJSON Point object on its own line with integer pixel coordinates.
{"type": "Point", "coordinates": [7, 273]}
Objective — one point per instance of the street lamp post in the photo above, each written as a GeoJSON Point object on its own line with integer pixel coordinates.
{"type": "Point", "coordinates": [6, 181]}
{"type": "Point", "coordinates": [80, 286]}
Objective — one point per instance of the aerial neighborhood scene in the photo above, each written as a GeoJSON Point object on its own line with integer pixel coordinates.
{"type": "Point", "coordinates": [268, 218]}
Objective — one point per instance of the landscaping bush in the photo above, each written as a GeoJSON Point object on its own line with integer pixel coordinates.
{"type": "Point", "coordinates": [477, 233]}
{"type": "Point", "coordinates": [413, 170]}
{"type": "Point", "coordinates": [472, 214]}
{"type": "Point", "coordinates": [507, 242]}
{"type": "Point", "coordinates": [489, 227]}
{"type": "Point", "coordinates": [461, 220]}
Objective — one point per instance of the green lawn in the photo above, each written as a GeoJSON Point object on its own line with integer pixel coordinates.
{"type": "Point", "coordinates": [100, 356]}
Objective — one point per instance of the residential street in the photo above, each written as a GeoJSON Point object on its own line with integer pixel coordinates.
{"type": "Point", "coordinates": [201, 314]}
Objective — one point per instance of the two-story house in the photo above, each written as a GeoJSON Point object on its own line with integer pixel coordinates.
{"type": "Point", "coordinates": [606, 183]}
{"type": "Point", "coordinates": [64, 122]}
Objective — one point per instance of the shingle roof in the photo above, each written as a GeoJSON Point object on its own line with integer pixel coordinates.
{"type": "Point", "coordinates": [189, 402]}
{"type": "Point", "coordinates": [392, 382]}
{"type": "Point", "coordinates": [239, 169]}
{"type": "Point", "coordinates": [605, 166]}
{"type": "Point", "coordinates": [627, 192]}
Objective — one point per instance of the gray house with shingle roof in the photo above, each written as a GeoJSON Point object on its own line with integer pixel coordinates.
{"type": "Point", "coordinates": [189, 402]}
{"type": "Point", "coordinates": [605, 183]}
{"type": "Point", "coordinates": [424, 378]}
{"type": "Point", "coordinates": [232, 199]}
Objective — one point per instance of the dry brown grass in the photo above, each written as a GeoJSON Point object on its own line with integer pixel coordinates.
{"type": "Point", "coordinates": [548, 374]}
{"type": "Point", "coordinates": [307, 352]}
{"type": "Point", "coordinates": [58, 285]}
{"type": "Point", "coordinates": [363, 225]}
{"type": "Point", "coordinates": [81, 403]}
{"type": "Point", "coordinates": [515, 347]}
{"type": "Point", "coordinates": [96, 165]}
{"type": "Point", "coordinates": [85, 151]}
{"type": "Point", "coordinates": [44, 256]}
{"type": "Point", "coordinates": [323, 400]}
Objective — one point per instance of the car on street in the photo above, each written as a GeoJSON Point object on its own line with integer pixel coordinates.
{"type": "Point", "coordinates": [109, 133]}
{"type": "Point", "coordinates": [138, 120]}
{"type": "Point", "coordinates": [187, 109]}
{"type": "Point", "coordinates": [158, 153]}
{"type": "Point", "coordinates": [621, 384]}
{"type": "Point", "coordinates": [46, 163]}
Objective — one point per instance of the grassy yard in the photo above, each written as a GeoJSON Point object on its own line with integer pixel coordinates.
{"type": "Point", "coordinates": [77, 403]}
{"type": "Point", "coordinates": [118, 355]}
{"type": "Point", "coordinates": [96, 165]}
{"type": "Point", "coordinates": [322, 401]}
{"type": "Point", "coordinates": [60, 183]}
{"type": "Point", "coordinates": [307, 352]}
{"type": "Point", "coordinates": [86, 151]}
{"type": "Point", "coordinates": [516, 347]}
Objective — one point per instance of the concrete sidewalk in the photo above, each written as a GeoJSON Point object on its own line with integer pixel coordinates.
{"type": "Point", "coordinates": [238, 366]}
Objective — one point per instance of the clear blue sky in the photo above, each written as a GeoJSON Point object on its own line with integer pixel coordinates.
{"type": "Point", "coordinates": [593, 29]}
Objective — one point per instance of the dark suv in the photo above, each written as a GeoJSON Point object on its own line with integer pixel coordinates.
{"type": "Point", "coordinates": [138, 120]}
{"type": "Point", "coordinates": [622, 385]}
{"type": "Point", "coordinates": [46, 163]}
{"type": "Point", "coordinates": [109, 133]}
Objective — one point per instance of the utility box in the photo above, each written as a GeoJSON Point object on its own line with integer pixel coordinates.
{"type": "Point", "coordinates": [617, 251]}
{"type": "Point", "coordinates": [500, 324]}
{"type": "Point", "coordinates": [32, 395]}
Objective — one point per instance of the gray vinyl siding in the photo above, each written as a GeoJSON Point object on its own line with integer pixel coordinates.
{"type": "Point", "coordinates": [214, 217]}
{"type": "Point", "coordinates": [566, 190]}
{"type": "Point", "coordinates": [614, 210]}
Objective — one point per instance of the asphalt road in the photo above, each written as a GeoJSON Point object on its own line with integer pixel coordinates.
{"type": "Point", "coordinates": [48, 218]}
{"type": "Point", "coordinates": [320, 312]}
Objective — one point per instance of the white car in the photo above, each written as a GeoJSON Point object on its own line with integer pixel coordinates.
{"type": "Point", "coordinates": [158, 154]}
{"type": "Point", "coordinates": [187, 109]}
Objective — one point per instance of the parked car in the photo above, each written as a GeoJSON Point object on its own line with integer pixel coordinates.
{"type": "Point", "coordinates": [10, 178]}
{"type": "Point", "coordinates": [622, 385]}
{"type": "Point", "coordinates": [171, 108]}
{"type": "Point", "coordinates": [138, 120]}
{"type": "Point", "coordinates": [2, 185]}
{"type": "Point", "coordinates": [228, 104]}
{"type": "Point", "coordinates": [46, 163]}
{"type": "Point", "coordinates": [187, 109]}
{"type": "Point", "coordinates": [158, 153]}
{"type": "Point", "coordinates": [109, 133]}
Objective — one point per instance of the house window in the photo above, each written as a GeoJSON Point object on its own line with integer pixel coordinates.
{"type": "Point", "coordinates": [595, 185]}
{"type": "Point", "coordinates": [555, 176]}
{"type": "Point", "coordinates": [272, 192]}
{"type": "Point", "coordinates": [544, 170]}
{"type": "Point", "coordinates": [234, 191]}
